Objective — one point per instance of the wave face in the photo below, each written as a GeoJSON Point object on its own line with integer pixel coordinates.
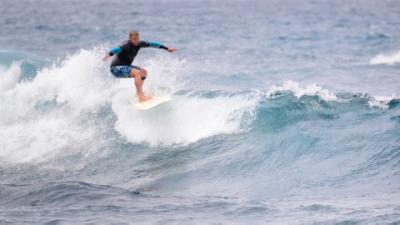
{"type": "Point", "coordinates": [72, 140]}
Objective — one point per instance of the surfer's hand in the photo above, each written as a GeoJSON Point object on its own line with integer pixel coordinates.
{"type": "Point", "coordinates": [171, 49]}
{"type": "Point", "coordinates": [105, 58]}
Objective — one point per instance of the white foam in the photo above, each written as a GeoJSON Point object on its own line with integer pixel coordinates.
{"type": "Point", "coordinates": [30, 132]}
{"type": "Point", "coordinates": [386, 59]}
{"type": "Point", "coordinates": [10, 78]}
{"type": "Point", "coordinates": [181, 121]}
{"type": "Point", "coordinates": [381, 101]}
{"type": "Point", "coordinates": [164, 74]}
{"type": "Point", "coordinates": [299, 91]}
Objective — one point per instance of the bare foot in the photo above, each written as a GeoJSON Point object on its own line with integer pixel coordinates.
{"type": "Point", "coordinates": [144, 98]}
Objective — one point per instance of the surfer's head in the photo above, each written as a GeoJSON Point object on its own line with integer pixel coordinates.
{"type": "Point", "coordinates": [134, 37]}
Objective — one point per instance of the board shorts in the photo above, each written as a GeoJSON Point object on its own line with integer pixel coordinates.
{"type": "Point", "coordinates": [123, 71]}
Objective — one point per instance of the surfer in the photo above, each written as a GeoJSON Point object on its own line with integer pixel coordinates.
{"type": "Point", "coordinates": [124, 55]}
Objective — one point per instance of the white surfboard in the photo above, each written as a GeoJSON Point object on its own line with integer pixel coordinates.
{"type": "Point", "coordinates": [153, 102]}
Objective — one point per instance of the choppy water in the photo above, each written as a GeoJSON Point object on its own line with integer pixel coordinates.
{"type": "Point", "coordinates": [283, 112]}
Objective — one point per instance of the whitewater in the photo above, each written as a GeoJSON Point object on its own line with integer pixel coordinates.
{"type": "Point", "coordinates": [284, 115]}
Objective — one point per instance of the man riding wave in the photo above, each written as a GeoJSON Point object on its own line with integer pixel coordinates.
{"type": "Point", "coordinates": [125, 54]}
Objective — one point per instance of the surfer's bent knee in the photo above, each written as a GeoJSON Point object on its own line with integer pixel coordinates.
{"type": "Point", "coordinates": [143, 73]}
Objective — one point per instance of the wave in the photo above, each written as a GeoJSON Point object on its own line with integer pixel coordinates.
{"type": "Point", "coordinates": [75, 107]}
{"type": "Point", "coordinates": [388, 59]}
{"type": "Point", "coordinates": [77, 101]}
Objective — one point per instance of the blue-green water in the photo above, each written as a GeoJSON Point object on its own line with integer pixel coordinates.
{"type": "Point", "coordinates": [283, 112]}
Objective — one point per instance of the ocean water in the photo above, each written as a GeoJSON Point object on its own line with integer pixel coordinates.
{"type": "Point", "coordinates": [283, 112]}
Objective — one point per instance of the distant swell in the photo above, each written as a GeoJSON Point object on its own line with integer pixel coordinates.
{"type": "Point", "coordinates": [388, 59]}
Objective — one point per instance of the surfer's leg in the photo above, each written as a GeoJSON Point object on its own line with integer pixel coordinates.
{"type": "Point", "coordinates": [136, 74]}
{"type": "Point", "coordinates": [143, 74]}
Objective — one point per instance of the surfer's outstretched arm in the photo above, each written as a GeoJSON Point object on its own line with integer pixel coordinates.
{"type": "Point", "coordinates": [153, 44]}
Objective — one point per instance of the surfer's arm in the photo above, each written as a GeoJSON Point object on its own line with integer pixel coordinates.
{"type": "Point", "coordinates": [112, 52]}
{"type": "Point", "coordinates": [115, 51]}
{"type": "Point", "coordinates": [153, 44]}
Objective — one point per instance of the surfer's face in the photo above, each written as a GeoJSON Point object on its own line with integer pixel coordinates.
{"type": "Point", "coordinates": [134, 39]}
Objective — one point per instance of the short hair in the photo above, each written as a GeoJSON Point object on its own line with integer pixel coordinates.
{"type": "Point", "coordinates": [133, 33]}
